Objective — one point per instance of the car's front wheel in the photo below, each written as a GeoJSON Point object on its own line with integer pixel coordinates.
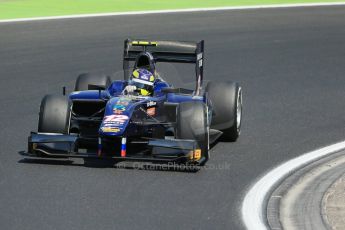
{"type": "Point", "coordinates": [192, 124]}
{"type": "Point", "coordinates": [84, 80]}
{"type": "Point", "coordinates": [54, 116]}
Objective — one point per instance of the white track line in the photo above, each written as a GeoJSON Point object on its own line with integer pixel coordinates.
{"type": "Point", "coordinates": [173, 11]}
{"type": "Point", "coordinates": [253, 206]}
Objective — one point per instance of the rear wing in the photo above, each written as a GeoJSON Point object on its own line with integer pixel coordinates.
{"type": "Point", "coordinates": [167, 51]}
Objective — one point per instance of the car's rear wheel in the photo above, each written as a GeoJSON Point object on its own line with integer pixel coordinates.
{"type": "Point", "coordinates": [192, 124]}
{"type": "Point", "coordinates": [226, 101]}
{"type": "Point", "coordinates": [54, 116]}
{"type": "Point", "coordinates": [84, 80]}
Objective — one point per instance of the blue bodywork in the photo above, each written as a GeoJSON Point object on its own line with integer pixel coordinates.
{"type": "Point", "coordinates": [116, 123]}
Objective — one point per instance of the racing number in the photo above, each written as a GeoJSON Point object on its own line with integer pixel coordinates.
{"type": "Point", "coordinates": [116, 118]}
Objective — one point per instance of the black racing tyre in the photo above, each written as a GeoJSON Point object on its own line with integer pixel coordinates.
{"type": "Point", "coordinates": [226, 102]}
{"type": "Point", "coordinates": [191, 123]}
{"type": "Point", "coordinates": [54, 116]}
{"type": "Point", "coordinates": [84, 80]}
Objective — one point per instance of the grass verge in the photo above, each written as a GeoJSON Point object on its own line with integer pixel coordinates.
{"type": "Point", "coordinates": [10, 9]}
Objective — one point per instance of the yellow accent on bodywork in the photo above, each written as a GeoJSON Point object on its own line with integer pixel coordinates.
{"type": "Point", "coordinates": [144, 43]}
{"type": "Point", "coordinates": [195, 155]}
{"type": "Point", "coordinates": [152, 78]}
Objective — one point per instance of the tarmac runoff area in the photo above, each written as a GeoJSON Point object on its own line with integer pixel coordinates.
{"type": "Point", "coordinates": [311, 198]}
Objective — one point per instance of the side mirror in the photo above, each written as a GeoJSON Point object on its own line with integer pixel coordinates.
{"type": "Point", "coordinates": [96, 87]}
{"type": "Point", "coordinates": [177, 90]}
{"type": "Point", "coordinates": [169, 90]}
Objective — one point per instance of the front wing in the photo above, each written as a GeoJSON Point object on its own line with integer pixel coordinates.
{"type": "Point", "coordinates": [157, 150]}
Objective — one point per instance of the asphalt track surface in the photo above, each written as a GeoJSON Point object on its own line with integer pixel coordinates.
{"type": "Point", "coordinates": [290, 62]}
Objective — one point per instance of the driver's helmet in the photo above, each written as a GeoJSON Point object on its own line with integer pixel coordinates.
{"type": "Point", "coordinates": [144, 81]}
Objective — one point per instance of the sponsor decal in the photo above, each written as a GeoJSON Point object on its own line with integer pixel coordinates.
{"type": "Point", "coordinates": [123, 101]}
{"type": "Point", "coordinates": [115, 119]}
{"type": "Point", "coordinates": [144, 43]}
{"type": "Point", "coordinates": [200, 63]}
{"type": "Point", "coordinates": [143, 74]}
{"type": "Point", "coordinates": [151, 111]}
{"type": "Point", "coordinates": [151, 103]}
{"type": "Point", "coordinates": [109, 125]}
{"type": "Point", "coordinates": [110, 130]}
{"type": "Point", "coordinates": [121, 105]}
{"type": "Point", "coordinates": [144, 77]}
{"type": "Point", "coordinates": [118, 109]}
{"type": "Point", "coordinates": [199, 56]}
{"type": "Point", "coordinates": [113, 123]}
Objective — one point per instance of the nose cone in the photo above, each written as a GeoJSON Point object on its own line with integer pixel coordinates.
{"type": "Point", "coordinates": [117, 116]}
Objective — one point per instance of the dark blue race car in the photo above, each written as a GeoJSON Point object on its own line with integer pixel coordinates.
{"type": "Point", "coordinates": [143, 117]}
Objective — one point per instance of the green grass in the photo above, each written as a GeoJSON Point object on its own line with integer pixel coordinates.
{"type": "Point", "coordinates": [10, 9]}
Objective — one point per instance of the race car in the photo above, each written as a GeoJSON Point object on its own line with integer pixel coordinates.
{"type": "Point", "coordinates": [142, 117]}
